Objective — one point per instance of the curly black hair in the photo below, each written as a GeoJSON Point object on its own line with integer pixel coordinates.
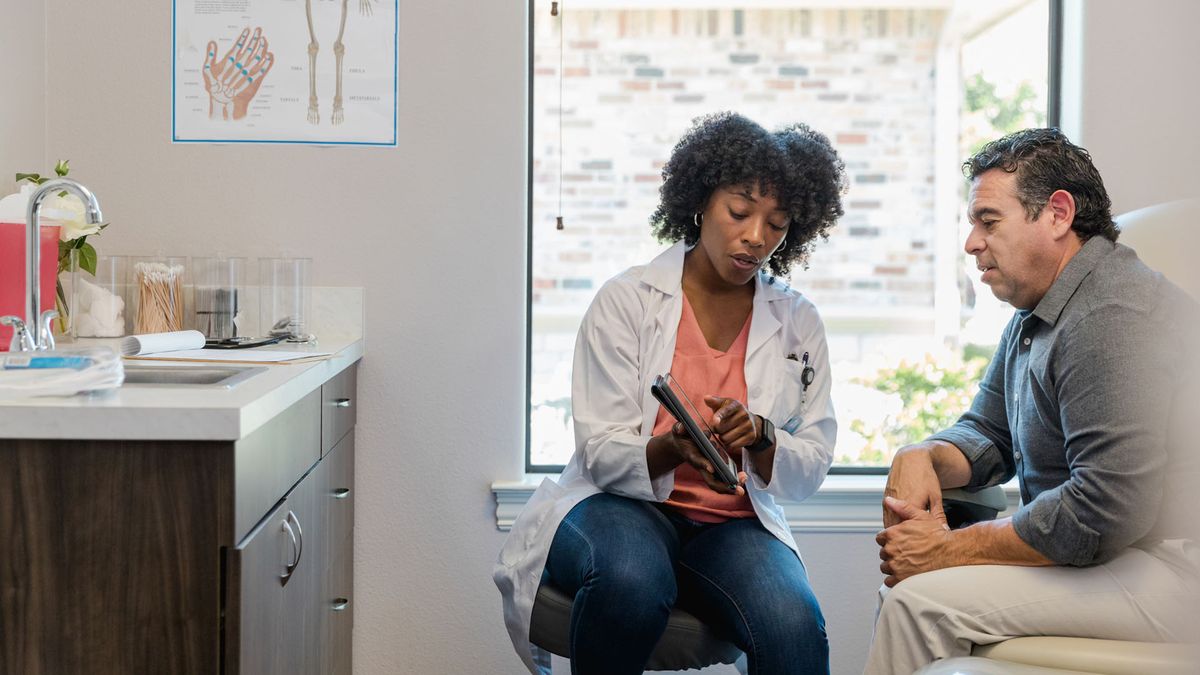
{"type": "Point", "coordinates": [795, 165]}
{"type": "Point", "coordinates": [1044, 162]}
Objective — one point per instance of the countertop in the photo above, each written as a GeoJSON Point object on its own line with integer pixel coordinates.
{"type": "Point", "coordinates": [160, 412]}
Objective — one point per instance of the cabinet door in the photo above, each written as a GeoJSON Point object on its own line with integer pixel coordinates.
{"type": "Point", "coordinates": [302, 593]}
{"type": "Point", "coordinates": [338, 605]}
{"type": "Point", "coordinates": [254, 606]}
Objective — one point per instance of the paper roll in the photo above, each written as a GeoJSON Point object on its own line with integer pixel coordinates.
{"type": "Point", "coordinates": [155, 343]}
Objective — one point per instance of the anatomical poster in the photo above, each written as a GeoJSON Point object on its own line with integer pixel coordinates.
{"type": "Point", "coordinates": [285, 71]}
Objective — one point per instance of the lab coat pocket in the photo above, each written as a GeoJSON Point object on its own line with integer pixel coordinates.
{"type": "Point", "coordinates": [790, 397]}
{"type": "Point", "coordinates": [525, 528]}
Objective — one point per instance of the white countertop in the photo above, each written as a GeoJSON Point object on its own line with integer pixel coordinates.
{"type": "Point", "coordinates": [185, 412]}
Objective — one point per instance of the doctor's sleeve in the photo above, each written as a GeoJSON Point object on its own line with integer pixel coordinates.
{"type": "Point", "coordinates": [606, 397]}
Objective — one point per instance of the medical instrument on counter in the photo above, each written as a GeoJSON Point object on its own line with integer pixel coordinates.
{"type": "Point", "coordinates": [243, 342]}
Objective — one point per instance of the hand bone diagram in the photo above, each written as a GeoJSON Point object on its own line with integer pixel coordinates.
{"type": "Point", "coordinates": [234, 79]}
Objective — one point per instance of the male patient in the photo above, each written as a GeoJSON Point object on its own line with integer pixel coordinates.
{"type": "Point", "coordinates": [1078, 402]}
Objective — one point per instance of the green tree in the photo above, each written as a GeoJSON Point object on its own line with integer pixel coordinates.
{"type": "Point", "coordinates": [933, 394]}
{"type": "Point", "coordinates": [1004, 115]}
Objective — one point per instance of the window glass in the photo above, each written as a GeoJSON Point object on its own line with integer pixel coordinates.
{"type": "Point", "coordinates": [904, 93]}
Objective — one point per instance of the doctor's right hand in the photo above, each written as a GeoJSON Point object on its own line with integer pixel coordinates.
{"type": "Point", "coordinates": [686, 452]}
{"type": "Point", "coordinates": [913, 479]}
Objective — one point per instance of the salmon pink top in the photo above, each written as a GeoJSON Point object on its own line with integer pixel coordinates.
{"type": "Point", "coordinates": [704, 371]}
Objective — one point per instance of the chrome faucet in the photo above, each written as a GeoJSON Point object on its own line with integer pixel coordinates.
{"type": "Point", "coordinates": [33, 333]}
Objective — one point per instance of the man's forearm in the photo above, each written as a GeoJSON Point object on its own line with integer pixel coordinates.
{"type": "Point", "coordinates": [949, 463]}
{"type": "Point", "coordinates": [993, 542]}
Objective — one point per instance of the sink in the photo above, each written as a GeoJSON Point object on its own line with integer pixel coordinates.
{"type": "Point", "coordinates": [189, 376]}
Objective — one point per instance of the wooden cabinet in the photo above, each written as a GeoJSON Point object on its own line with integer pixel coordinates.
{"type": "Point", "coordinates": [183, 557]}
{"type": "Point", "coordinates": [338, 589]}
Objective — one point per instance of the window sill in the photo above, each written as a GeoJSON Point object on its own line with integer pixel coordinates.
{"type": "Point", "coordinates": [843, 504]}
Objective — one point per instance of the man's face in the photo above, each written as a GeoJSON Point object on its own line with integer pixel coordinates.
{"type": "Point", "coordinates": [1019, 258]}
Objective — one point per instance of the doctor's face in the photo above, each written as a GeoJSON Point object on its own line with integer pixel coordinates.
{"type": "Point", "coordinates": [741, 228]}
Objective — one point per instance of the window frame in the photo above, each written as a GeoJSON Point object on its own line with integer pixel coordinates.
{"type": "Point", "coordinates": [1053, 119]}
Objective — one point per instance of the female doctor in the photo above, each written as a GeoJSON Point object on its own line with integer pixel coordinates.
{"type": "Point", "coordinates": [638, 522]}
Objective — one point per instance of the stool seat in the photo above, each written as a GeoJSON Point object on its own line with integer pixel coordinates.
{"type": "Point", "coordinates": [686, 643]}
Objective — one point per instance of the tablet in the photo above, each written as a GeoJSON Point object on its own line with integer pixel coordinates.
{"type": "Point", "coordinates": [672, 397]}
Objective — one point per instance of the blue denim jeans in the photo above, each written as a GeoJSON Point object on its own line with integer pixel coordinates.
{"type": "Point", "coordinates": [627, 562]}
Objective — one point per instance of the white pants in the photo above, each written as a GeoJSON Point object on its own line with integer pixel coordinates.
{"type": "Point", "coordinates": [1148, 595]}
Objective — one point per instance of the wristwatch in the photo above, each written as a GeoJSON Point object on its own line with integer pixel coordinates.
{"type": "Point", "coordinates": [766, 438]}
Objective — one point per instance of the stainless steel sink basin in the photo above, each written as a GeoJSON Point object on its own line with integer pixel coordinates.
{"type": "Point", "coordinates": [189, 376]}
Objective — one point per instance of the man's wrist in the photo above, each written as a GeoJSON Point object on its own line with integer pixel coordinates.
{"type": "Point", "coordinates": [949, 463]}
{"type": "Point", "coordinates": [918, 452]}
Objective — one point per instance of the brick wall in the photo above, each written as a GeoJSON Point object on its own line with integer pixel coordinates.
{"type": "Point", "coordinates": [632, 80]}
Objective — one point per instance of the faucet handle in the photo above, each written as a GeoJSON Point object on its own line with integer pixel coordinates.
{"type": "Point", "coordinates": [47, 321]}
{"type": "Point", "coordinates": [21, 341]}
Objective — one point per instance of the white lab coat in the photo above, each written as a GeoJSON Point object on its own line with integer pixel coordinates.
{"type": "Point", "coordinates": [626, 339]}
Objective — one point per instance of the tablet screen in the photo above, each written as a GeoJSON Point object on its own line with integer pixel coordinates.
{"type": "Point", "coordinates": [693, 412]}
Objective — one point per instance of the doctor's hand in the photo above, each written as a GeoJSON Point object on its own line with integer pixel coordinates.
{"type": "Point", "coordinates": [735, 426]}
{"type": "Point", "coordinates": [913, 479]}
{"type": "Point", "coordinates": [686, 452]}
{"type": "Point", "coordinates": [919, 543]}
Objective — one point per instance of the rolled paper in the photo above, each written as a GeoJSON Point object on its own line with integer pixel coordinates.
{"type": "Point", "coordinates": [156, 343]}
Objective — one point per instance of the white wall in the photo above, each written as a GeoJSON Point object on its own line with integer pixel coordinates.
{"type": "Point", "coordinates": [1140, 98]}
{"type": "Point", "coordinates": [435, 231]}
{"type": "Point", "coordinates": [22, 90]}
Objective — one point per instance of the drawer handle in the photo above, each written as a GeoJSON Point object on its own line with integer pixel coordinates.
{"type": "Point", "coordinates": [341, 403]}
{"type": "Point", "coordinates": [340, 604]}
{"type": "Point", "coordinates": [341, 493]}
{"type": "Point", "coordinates": [297, 544]}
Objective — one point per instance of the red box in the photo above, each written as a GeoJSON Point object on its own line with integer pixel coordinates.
{"type": "Point", "coordinates": [13, 274]}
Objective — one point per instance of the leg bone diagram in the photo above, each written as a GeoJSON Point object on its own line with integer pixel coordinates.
{"type": "Point", "coordinates": [339, 52]}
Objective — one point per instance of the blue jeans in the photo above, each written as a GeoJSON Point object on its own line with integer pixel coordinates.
{"type": "Point", "coordinates": [627, 562]}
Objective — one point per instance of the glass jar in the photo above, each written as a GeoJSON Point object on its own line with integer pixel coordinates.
{"type": "Point", "coordinates": [219, 296]}
{"type": "Point", "coordinates": [158, 294]}
{"type": "Point", "coordinates": [285, 297]}
{"type": "Point", "coordinates": [99, 302]}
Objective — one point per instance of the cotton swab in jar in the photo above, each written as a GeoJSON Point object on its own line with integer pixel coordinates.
{"type": "Point", "coordinates": [160, 295]}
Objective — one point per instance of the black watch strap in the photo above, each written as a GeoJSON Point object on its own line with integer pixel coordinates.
{"type": "Point", "coordinates": [766, 438]}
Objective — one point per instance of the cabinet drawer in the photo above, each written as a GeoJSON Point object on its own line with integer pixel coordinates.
{"type": "Point", "coordinates": [339, 405]}
{"type": "Point", "coordinates": [339, 495]}
{"type": "Point", "coordinates": [269, 461]}
{"type": "Point", "coordinates": [339, 615]}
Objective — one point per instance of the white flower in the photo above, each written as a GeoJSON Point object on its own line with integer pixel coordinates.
{"type": "Point", "coordinates": [66, 212]}
{"type": "Point", "coordinates": [69, 214]}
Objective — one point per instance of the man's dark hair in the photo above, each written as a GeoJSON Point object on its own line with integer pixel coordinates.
{"type": "Point", "coordinates": [795, 165]}
{"type": "Point", "coordinates": [1045, 161]}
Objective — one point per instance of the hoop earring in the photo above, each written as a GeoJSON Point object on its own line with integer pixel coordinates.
{"type": "Point", "coordinates": [696, 218]}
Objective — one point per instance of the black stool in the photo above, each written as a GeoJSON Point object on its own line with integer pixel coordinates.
{"type": "Point", "coordinates": [687, 642]}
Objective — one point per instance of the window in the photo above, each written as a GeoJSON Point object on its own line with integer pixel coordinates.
{"type": "Point", "coordinates": [904, 93]}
